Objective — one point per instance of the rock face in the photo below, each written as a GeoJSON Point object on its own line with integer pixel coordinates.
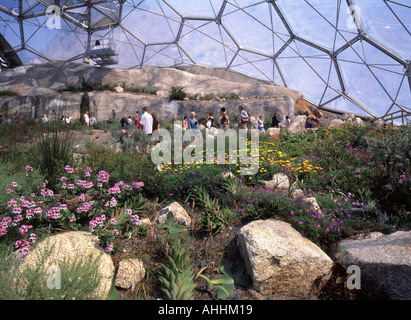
{"type": "Point", "coordinates": [181, 216]}
{"type": "Point", "coordinates": [129, 272]}
{"type": "Point", "coordinates": [37, 87]}
{"type": "Point", "coordinates": [384, 262]}
{"type": "Point", "coordinates": [279, 260]}
{"type": "Point", "coordinates": [74, 246]}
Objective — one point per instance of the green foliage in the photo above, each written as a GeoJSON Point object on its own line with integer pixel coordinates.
{"type": "Point", "coordinates": [84, 105]}
{"type": "Point", "coordinates": [78, 279]}
{"type": "Point", "coordinates": [9, 93]}
{"type": "Point", "coordinates": [51, 154]}
{"type": "Point", "coordinates": [177, 93]}
{"type": "Point", "coordinates": [176, 280]}
{"type": "Point", "coordinates": [213, 219]}
{"type": "Point", "coordinates": [168, 225]}
{"type": "Point", "coordinates": [26, 184]}
{"type": "Point", "coordinates": [225, 283]}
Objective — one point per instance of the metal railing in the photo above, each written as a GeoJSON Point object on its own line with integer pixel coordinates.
{"type": "Point", "coordinates": [400, 114]}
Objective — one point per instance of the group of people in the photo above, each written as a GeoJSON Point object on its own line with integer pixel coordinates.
{"type": "Point", "coordinates": [276, 122]}
{"type": "Point", "coordinates": [244, 120]}
{"type": "Point", "coordinates": [146, 122]}
{"type": "Point", "coordinates": [89, 120]}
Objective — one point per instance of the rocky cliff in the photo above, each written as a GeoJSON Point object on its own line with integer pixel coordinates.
{"type": "Point", "coordinates": [37, 91]}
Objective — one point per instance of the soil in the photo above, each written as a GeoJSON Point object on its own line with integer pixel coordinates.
{"type": "Point", "coordinates": [213, 251]}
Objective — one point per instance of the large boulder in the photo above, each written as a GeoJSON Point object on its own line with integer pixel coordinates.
{"type": "Point", "coordinates": [298, 124]}
{"type": "Point", "coordinates": [129, 273]}
{"type": "Point", "coordinates": [384, 262]}
{"type": "Point", "coordinates": [73, 246]}
{"type": "Point", "coordinates": [280, 260]}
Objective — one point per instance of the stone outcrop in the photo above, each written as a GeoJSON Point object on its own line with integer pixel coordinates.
{"type": "Point", "coordinates": [298, 124]}
{"type": "Point", "coordinates": [37, 87]}
{"type": "Point", "coordinates": [129, 273]}
{"type": "Point", "coordinates": [384, 262]}
{"type": "Point", "coordinates": [73, 247]}
{"type": "Point", "coordinates": [279, 260]}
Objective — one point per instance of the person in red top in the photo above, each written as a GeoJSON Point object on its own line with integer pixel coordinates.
{"type": "Point", "coordinates": [137, 120]}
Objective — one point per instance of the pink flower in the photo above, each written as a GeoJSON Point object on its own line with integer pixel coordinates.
{"type": "Point", "coordinates": [135, 219]}
{"type": "Point", "coordinates": [110, 247]}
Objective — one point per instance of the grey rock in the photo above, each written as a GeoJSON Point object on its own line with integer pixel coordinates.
{"type": "Point", "coordinates": [384, 262]}
{"type": "Point", "coordinates": [281, 261]}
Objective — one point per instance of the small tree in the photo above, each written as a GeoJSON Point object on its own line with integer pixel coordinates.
{"type": "Point", "coordinates": [84, 105]}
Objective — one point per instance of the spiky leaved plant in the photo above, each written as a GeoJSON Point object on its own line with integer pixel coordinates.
{"type": "Point", "coordinates": [177, 277]}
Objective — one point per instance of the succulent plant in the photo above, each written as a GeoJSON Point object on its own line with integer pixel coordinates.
{"type": "Point", "coordinates": [177, 278]}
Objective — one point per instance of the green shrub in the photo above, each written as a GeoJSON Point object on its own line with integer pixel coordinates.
{"type": "Point", "coordinates": [84, 105]}
{"type": "Point", "coordinates": [78, 280]}
{"type": "Point", "coordinates": [177, 93]}
{"type": "Point", "coordinates": [8, 93]}
{"type": "Point", "coordinates": [51, 154]}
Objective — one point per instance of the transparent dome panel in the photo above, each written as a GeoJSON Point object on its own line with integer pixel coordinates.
{"type": "Point", "coordinates": [254, 65]}
{"type": "Point", "coordinates": [197, 8]}
{"type": "Point", "coordinates": [252, 28]}
{"type": "Point", "coordinates": [220, 49]}
{"type": "Point", "coordinates": [389, 22]}
{"type": "Point", "coordinates": [370, 76]}
{"type": "Point", "coordinates": [305, 69]}
{"type": "Point", "coordinates": [346, 105]}
{"type": "Point", "coordinates": [315, 21]}
{"type": "Point", "coordinates": [151, 25]}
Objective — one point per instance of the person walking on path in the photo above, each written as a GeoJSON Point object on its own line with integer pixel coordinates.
{"type": "Point", "coordinates": [146, 122]}
{"type": "Point", "coordinates": [260, 123]}
{"type": "Point", "coordinates": [242, 118]}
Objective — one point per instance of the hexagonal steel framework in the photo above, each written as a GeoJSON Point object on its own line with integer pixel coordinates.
{"type": "Point", "coordinates": [343, 55]}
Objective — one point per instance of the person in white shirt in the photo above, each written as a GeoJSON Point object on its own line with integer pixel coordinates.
{"type": "Point", "coordinates": [45, 121]}
{"type": "Point", "coordinates": [146, 122]}
{"type": "Point", "coordinates": [260, 123]}
{"type": "Point", "coordinates": [87, 119]}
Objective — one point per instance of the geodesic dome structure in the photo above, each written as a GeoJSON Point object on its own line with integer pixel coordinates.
{"type": "Point", "coordinates": [343, 55]}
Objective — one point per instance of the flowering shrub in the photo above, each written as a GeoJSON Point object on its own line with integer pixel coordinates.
{"type": "Point", "coordinates": [80, 202]}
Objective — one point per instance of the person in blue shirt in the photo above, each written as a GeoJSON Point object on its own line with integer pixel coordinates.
{"type": "Point", "coordinates": [309, 124]}
{"type": "Point", "coordinates": [193, 122]}
{"type": "Point", "coordinates": [93, 120]}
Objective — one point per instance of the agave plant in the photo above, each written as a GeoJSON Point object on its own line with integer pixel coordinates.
{"type": "Point", "coordinates": [177, 278]}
